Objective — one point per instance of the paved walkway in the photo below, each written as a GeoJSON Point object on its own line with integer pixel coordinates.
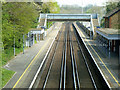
{"type": "Point", "coordinates": [107, 62]}
{"type": "Point", "coordinates": [26, 65]}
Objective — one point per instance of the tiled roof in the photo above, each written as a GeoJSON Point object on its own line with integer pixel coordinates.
{"type": "Point", "coordinates": [109, 30]}
{"type": "Point", "coordinates": [108, 33]}
{"type": "Point", "coordinates": [112, 12]}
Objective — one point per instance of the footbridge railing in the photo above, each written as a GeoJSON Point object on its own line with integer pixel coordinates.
{"type": "Point", "coordinates": [67, 17]}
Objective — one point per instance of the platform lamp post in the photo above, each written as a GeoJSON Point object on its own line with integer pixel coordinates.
{"type": "Point", "coordinates": [14, 37]}
{"type": "Point", "coordinates": [23, 43]}
{"type": "Point", "coordinates": [14, 45]}
{"type": "Point", "coordinates": [23, 38]}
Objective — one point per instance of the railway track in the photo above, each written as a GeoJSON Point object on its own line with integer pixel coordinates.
{"type": "Point", "coordinates": [83, 58]}
{"type": "Point", "coordinates": [68, 64]}
{"type": "Point", "coordinates": [63, 64]}
{"type": "Point", "coordinates": [50, 73]}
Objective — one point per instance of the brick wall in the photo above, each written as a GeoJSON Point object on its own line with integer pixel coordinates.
{"type": "Point", "coordinates": [119, 20]}
{"type": "Point", "coordinates": [114, 21]}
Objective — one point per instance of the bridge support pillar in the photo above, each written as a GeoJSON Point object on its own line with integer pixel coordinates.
{"type": "Point", "coordinates": [39, 37]}
{"type": "Point", "coordinates": [92, 29]}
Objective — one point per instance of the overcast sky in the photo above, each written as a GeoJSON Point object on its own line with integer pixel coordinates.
{"type": "Point", "coordinates": [81, 2]}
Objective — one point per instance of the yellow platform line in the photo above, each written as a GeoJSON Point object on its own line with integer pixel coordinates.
{"type": "Point", "coordinates": [30, 65]}
{"type": "Point", "coordinates": [105, 66]}
{"type": "Point", "coordinates": [102, 62]}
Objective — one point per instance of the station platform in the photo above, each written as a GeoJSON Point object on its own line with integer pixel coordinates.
{"type": "Point", "coordinates": [26, 65]}
{"type": "Point", "coordinates": [107, 62]}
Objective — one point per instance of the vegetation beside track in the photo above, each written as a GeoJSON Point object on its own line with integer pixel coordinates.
{"type": "Point", "coordinates": [6, 75]}
{"type": "Point", "coordinates": [17, 19]}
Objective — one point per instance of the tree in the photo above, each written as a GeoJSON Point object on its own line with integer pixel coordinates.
{"type": "Point", "coordinates": [17, 18]}
{"type": "Point", "coordinates": [50, 7]}
{"type": "Point", "coordinates": [111, 5]}
{"type": "Point", "coordinates": [118, 5]}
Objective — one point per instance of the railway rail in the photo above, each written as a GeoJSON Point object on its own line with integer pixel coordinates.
{"type": "Point", "coordinates": [63, 64]}
{"type": "Point", "coordinates": [68, 64]}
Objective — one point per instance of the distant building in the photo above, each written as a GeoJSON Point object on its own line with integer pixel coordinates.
{"type": "Point", "coordinates": [112, 19]}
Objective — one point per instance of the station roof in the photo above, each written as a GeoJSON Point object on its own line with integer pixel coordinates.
{"type": "Point", "coordinates": [35, 29]}
{"type": "Point", "coordinates": [109, 33]}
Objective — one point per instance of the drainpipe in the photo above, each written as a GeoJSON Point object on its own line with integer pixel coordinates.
{"type": "Point", "coordinates": [119, 55]}
{"type": "Point", "coordinates": [109, 47]}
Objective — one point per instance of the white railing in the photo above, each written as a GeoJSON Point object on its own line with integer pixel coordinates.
{"type": "Point", "coordinates": [45, 20]}
{"type": "Point", "coordinates": [39, 21]}
{"type": "Point", "coordinates": [68, 16]}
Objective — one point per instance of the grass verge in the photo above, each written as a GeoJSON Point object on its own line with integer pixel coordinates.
{"type": "Point", "coordinates": [6, 76]}
{"type": "Point", "coordinates": [6, 56]}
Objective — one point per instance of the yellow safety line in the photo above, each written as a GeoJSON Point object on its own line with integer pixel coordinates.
{"type": "Point", "coordinates": [30, 64]}
{"type": "Point", "coordinates": [105, 66]}
{"type": "Point", "coordinates": [102, 62]}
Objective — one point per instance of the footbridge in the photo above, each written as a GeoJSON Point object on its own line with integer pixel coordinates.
{"type": "Point", "coordinates": [44, 18]}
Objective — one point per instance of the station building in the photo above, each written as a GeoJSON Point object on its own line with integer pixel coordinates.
{"type": "Point", "coordinates": [110, 35]}
{"type": "Point", "coordinates": [112, 19]}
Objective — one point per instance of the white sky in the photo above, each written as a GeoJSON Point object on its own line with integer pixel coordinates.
{"type": "Point", "coordinates": [79, 2]}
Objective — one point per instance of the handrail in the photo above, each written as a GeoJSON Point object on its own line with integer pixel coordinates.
{"type": "Point", "coordinates": [45, 20]}
{"type": "Point", "coordinates": [39, 20]}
